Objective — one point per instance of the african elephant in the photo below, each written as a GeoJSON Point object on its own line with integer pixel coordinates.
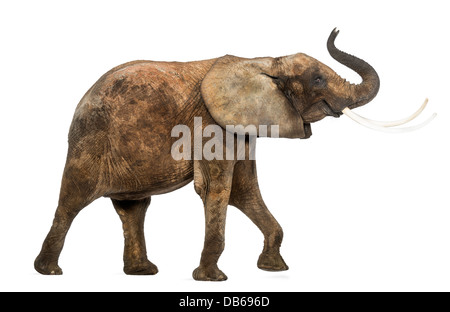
{"type": "Point", "coordinates": [120, 143]}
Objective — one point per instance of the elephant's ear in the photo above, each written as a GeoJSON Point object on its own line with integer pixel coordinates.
{"type": "Point", "coordinates": [239, 91]}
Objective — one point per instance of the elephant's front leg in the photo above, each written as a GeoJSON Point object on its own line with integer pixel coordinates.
{"type": "Point", "coordinates": [213, 183]}
{"type": "Point", "coordinates": [245, 195]}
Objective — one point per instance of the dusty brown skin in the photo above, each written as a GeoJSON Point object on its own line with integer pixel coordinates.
{"type": "Point", "coordinates": [120, 143]}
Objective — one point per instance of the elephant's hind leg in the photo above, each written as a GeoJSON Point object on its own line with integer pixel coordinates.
{"type": "Point", "coordinates": [245, 196]}
{"type": "Point", "coordinates": [77, 191]}
{"type": "Point", "coordinates": [47, 260]}
{"type": "Point", "coordinates": [132, 215]}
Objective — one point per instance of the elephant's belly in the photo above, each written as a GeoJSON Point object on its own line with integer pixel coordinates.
{"type": "Point", "coordinates": [140, 194]}
{"type": "Point", "coordinates": [145, 181]}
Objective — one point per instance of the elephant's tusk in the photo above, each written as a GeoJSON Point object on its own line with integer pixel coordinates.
{"type": "Point", "coordinates": [367, 123]}
{"type": "Point", "coordinates": [398, 122]}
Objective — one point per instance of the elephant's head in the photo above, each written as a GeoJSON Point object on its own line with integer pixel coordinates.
{"type": "Point", "coordinates": [291, 92]}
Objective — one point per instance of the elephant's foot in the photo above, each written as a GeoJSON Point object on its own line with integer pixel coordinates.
{"type": "Point", "coordinates": [144, 268]}
{"type": "Point", "coordinates": [210, 273]}
{"type": "Point", "coordinates": [272, 262]}
{"type": "Point", "coordinates": [47, 267]}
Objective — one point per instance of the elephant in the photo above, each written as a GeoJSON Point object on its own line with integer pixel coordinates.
{"type": "Point", "coordinates": [120, 143]}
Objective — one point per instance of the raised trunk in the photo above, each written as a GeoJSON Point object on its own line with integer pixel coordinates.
{"type": "Point", "coordinates": [368, 88]}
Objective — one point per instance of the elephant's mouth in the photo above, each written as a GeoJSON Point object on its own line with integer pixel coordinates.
{"type": "Point", "coordinates": [328, 110]}
{"type": "Point", "coordinates": [307, 129]}
{"type": "Point", "coordinates": [318, 111]}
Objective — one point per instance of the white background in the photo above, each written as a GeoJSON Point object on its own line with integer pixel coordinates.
{"type": "Point", "coordinates": [361, 210]}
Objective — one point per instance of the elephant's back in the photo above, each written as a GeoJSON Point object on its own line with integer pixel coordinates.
{"type": "Point", "coordinates": [141, 94]}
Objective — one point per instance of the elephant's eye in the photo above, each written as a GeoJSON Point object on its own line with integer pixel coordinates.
{"type": "Point", "coordinates": [318, 81]}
